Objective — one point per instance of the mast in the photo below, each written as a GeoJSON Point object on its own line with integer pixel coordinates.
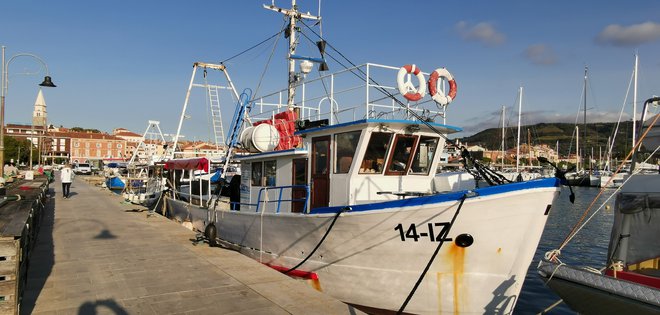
{"type": "Point", "coordinates": [634, 113]}
{"type": "Point", "coordinates": [577, 148]}
{"type": "Point", "coordinates": [503, 112]}
{"type": "Point", "coordinates": [529, 148]}
{"type": "Point", "coordinates": [584, 145]}
{"type": "Point", "coordinates": [520, 92]}
{"type": "Point", "coordinates": [293, 15]}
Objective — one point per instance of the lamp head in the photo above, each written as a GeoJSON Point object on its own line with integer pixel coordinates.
{"type": "Point", "coordinates": [306, 66]}
{"type": "Point", "coordinates": [48, 82]}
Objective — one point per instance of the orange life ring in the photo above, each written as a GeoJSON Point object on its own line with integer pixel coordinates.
{"type": "Point", "coordinates": [407, 89]}
{"type": "Point", "coordinates": [437, 95]}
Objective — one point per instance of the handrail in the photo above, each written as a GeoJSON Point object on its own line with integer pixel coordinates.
{"type": "Point", "coordinates": [279, 199]}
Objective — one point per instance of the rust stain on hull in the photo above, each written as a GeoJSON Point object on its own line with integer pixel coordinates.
{"type": "Point", "coordinates": [457, 255]}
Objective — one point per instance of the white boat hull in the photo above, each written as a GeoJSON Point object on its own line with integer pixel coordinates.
{"type": "Point", "coordinates": [366, 260]}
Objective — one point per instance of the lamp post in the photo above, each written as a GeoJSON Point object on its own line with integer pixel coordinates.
{"type": "Point", "coordinates": [3, 91]}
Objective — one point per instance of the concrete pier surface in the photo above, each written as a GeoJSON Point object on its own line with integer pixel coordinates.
{"type": "Point", "coordinates": [96, 254]}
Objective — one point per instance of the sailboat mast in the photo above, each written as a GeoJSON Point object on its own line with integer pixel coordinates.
{"type": "Point", "coordinates": [577, 148]}
{"type": "Point", "coordinates": [584, 141]}
{"type": "Point", "coordinates": [529, 147]}
{"type": "Point", "coordinates": [520, 92]}
{"type": "Point", "coordinates": [634, 112]}
{"type": "Point", "coordinates": [503, 148]}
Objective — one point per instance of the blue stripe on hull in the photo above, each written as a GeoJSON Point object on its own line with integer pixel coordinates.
{"type": "Point", "coordinates": [453, 196]}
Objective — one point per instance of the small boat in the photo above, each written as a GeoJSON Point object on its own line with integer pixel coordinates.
{"type": "Point", "coordinates": [115, 183]}
{"type": "Point", "coordinates": [630, 281]}
{"type": "Point", "coordinates": [338, 186]}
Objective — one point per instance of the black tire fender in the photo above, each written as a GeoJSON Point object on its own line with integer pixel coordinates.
{"type": "Point", "coordinates": [211, 233]}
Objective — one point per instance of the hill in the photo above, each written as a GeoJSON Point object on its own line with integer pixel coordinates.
{"type": "Point", "coordinates": [550, 133]}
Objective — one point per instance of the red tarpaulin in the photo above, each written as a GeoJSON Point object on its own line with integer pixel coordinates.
{"type": "Point", "coordinates": [197, 164]}
{"type": "Point", "coordinates": [285, 123]}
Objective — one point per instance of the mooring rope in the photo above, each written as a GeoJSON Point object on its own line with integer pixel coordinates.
{"type": "Point", "coordinates": [435, 253]}
{"type": "Point", "coordinates": [579, 224]}
{"type": "Point", "coordinates": [321, 241]}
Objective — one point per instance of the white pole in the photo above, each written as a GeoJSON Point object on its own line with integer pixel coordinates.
{"type": "Point", "coordinates": [183, 112]}
{"type": "Point", "coordinates": [577, 148]}
{"type": "Point", "coordinates": [518, 140]}
{"type": "Point", "coordinates": [503, 113]}
{"type": "Point", "coordinates": [634, 116]}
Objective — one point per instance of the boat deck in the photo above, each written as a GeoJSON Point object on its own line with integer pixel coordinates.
{"type": "Point", "coordinates": [96, 254]}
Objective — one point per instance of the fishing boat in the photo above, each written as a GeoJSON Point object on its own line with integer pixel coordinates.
{"type": "Point", "coordinates": [338, 186]}
{"type": "Point", "coordinates": [630, 281]}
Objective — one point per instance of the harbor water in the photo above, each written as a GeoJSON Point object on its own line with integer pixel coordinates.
{"type": "Point", "coordinates": [587, 248]}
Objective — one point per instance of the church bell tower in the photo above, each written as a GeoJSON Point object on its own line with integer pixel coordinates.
{"type": "Point", "coordinates": [39, 116]}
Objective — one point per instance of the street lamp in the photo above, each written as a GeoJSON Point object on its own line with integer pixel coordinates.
{"type": "Point", "coordinates": [48, 82]}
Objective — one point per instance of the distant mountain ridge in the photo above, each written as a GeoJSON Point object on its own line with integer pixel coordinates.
{"type": "Point", "coordinates": [550, 133]}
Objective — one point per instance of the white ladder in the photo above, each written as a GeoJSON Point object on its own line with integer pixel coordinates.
{"type": "Point", "coordinates": [216, 115]}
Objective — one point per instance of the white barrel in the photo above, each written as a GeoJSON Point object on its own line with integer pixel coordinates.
{"type": "Point", "coordinates": [260, 138]}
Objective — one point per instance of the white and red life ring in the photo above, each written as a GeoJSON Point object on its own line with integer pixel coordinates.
{"type": "Point", "coordinates": [438, 96]}
{"type": "Point", "coordinates": [407, 89]}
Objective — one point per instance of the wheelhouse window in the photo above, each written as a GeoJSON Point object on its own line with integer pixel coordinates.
{"type": "Point", "coordinates": [374, 157]}
{"type": "Point", "coordinates": [270, 170]}
{"type": "Point", "coordinates": [402, 151]}
{"type": "Point", "coordinates": [421, 162]}
{"type": "Point", "coordinates": [256, 173]}
{"type": "Point", "coordinates": [346, 144]}
{"type": "Point", "coordinates": [264, 173]}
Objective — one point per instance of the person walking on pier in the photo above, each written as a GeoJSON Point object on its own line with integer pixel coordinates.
{"type": "Point", "coordinates": [66, 176]}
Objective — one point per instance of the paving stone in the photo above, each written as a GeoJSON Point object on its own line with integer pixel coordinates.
{"type": "Point", "coordinates": [94, 255]}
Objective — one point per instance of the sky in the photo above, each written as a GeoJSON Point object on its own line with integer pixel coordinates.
{"type": "Point", "coordinates": [121, 63]}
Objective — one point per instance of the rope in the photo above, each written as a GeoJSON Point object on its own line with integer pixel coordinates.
{"type": "Point", "coordinates": [255, 46]}
{"type": "Point", "coordinates": [256, 90]}
{"type": "Point", "coordinates": [443, 237]}
{"type": "Point", "coordinates": [545, 311]}
{"type": "Point", "coordinates": [578, 225]}
{"type": "Point", "coordinates": [321, 241]}
{"type": "Point", "coordinates": [382, 90]}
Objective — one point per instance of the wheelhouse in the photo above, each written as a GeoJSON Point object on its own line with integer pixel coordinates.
{"type": "Point", "coordinates": [345, 164]}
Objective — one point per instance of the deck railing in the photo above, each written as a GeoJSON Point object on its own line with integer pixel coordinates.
{"type": "Point", "coordinates": [263, 202]}
{"type": "Point", "coordinates": [359, 92]}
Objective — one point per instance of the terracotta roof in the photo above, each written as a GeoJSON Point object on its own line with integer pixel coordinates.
{"type": "Point", "coordinates": [127, 133]}
{"type": "Point", "coordinates": [85, 135]}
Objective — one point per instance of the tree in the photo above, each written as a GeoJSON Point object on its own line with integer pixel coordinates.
{"type": "Point", "coordinates": [18, 149]}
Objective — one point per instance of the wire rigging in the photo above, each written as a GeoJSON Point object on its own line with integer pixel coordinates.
{"type": "Point", "coordinates": [254, 46]}
{"type": "Point", "coordinates": [380, 89]}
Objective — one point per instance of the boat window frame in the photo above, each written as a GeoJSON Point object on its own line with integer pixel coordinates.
{"type": "Point", "coordinates": [363, 170]}
{"type": "Point", "coordinates": [393, 151]}
{"type": "Point", "coordinates": [256, 180]}
{"type": "Point", "coordinates": [337, 168]}
{"type": "Point", "coordinates": [268, 178]}
{"type": "Point", "coordinates": [258, 174]}
{"type": "Point", "coordinates": [418, 146]}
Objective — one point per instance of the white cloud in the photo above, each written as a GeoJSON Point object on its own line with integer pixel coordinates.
{"type": "Point", "coordinates": [483, 32]}
{"type": "Point", "coordinates": [540, 54]}
{"type": "Point", "coordinates": [633, 35]}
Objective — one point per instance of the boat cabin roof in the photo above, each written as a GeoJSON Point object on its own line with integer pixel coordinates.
{"type": "Point", "coordinates": [394, 123]}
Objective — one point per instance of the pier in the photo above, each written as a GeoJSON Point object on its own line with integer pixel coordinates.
{"type": "Point", "coordinates": [96, 254]}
